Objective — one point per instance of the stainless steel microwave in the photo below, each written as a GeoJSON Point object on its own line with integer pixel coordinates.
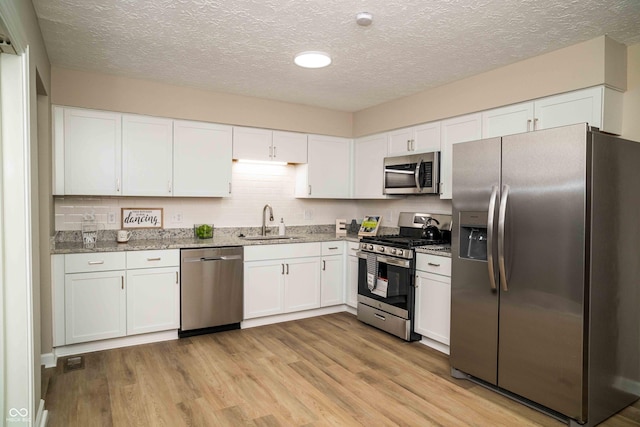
{"type": "Point", "coordinates": [414, 174]}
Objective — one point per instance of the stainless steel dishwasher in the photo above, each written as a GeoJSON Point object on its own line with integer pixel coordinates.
{"type": "Point", "coordinates": [211, 290]}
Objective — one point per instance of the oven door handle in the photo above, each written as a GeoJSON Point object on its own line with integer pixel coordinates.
{"type": "Point", "coordinates": [399, 262]}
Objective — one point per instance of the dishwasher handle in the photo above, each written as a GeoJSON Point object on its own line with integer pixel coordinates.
{"type": "Point", "coordinates": [214, 258]}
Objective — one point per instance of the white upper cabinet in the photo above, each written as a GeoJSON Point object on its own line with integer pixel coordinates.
{"type": "Point", "coordinates": [266, 145]}
{"type": "Point", "coordinates": [147, 156]}
{"type": "Point", "coordinates": [88, 150]}
{"type": "Point", "coordinates": [368, 159]}
{"type": "Point", "coordinates": [327, 173]}
{"type": "Point", "coordinates": [454, 131]}
{"type": "Point", "coordinates": [598, 106]}
{"type": "Point", "coordinates": [201, 159]}
{"type": "Point", "coordinates": [252, 144]}
{"type": "Point", "coordinates": [290, 147]}
{"type": "Point", "coordinates": [508, 120]}
{"type": "Point", "coordinates": [416, 139]}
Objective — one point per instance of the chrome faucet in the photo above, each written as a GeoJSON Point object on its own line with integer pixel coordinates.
{"type": "Point", "coordinates": [264, 211]}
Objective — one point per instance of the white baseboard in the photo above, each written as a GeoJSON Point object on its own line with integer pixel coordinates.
{"type": "Point", "coordinates": [48, 360]}
{"type": "Point", "coordinates": [442, 348]}
{"type": "Point", "coordinates": [268, 320]}
{"type": "Point", "coordinates": [88, 347]}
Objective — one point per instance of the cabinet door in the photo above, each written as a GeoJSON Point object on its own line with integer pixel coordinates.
{"type": "Point", "coordinates": [289, 147]}
{"type": "Point", "coordinates": [456, 130]}
{"type": "Point", "coordinates": [426, 137]}
{"type": "Point", "coordinates": [202, 158]}
{"type": "Point", "coordinates": [252, 144]}
{"type": "Point", "coordinates": [507, 120]}
{"type": "Point", "coordinates": [328, 172]}
{"type": "Point", "coordinates": [400, 141]}
{"type": "Point", "coordinates": [569, 108]}
{"type": "Point", "coordinates": [263, 288]}
{"type": "Point", "coordinates": [153, 300]}
{"type": "Point", "coordinates": [332, 280]}
{"type": "Point", "coordinates": [369, 154]}
{"type": "Point", "coordinates": [302, 284]}
{"type": "Point", "coordinates": [352, 280]}
{"type": "Point", "coordinates": [147, 156]}
{"type": "Point", "coordinates": [433, 306]}
{"type": "Point", "coordinates": [92, 152]}
{"type": "Point", "coordinates": [95, 306]}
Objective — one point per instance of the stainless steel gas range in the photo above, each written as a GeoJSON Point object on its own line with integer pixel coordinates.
{"type": "Point", "coordinates": [386, 272]}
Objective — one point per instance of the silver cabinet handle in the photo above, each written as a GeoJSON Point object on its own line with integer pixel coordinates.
{"type": "Point", "coordinates": [154, 259]}
{"type": "Point", "coordinates": [354, 249]}
{"type": "Point", "coordinates": [379, 316]}
{"type": "Point", "coordinates": [287, 269]}
{"type": "Point", "coordinates": [177, 279]}
{"type": "Point", "coordinates": [413, 145]}
{"type": "Point", "coordinates": [274, 151]}
{"type": "Point", "coordinates": [121, 282]}
{"type": "Point", "coordinates": [169, 186]}
{"type": "Point", "coordinates": [501, 225]}
{"type": "Point", "coordinates": [282, 269]}
{"type": "Point", "coordinates": [490, 220]}
{"type": "Point", "coordinates": [433, 264]}
{"type": "Point", "coordinates": [96, 262]}
{"type": "Point", "coordinates": [118, 184]}
{"type": "Point", "coordinates": [309, 189]}
{"type": "Point", "coordinates": [229, 188]}
{"type": "Point", "coordinates": [270, 151]}
{"type": "Point", "coordinates": [528, 125]}
{"type": "Point", "coordinates": [535, 124]}
{"type": "Point", "coordinates": [324, 265]}
{"type": "Point", "coordinates": [333, 248]}
{"type": "Point", "coordinates": [408, 145]}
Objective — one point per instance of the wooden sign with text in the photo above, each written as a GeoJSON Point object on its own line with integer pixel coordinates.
{"type": "Point", "coordinates": [142, 218]}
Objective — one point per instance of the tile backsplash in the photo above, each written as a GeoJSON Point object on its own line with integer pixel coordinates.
{"type": "Point", "coordinates": [254, 185]}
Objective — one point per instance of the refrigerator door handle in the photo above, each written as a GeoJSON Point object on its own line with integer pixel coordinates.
{"type": "Point", "coordinates": [490, 260]}
{"type": "Point", "coordinates": [501, 225]}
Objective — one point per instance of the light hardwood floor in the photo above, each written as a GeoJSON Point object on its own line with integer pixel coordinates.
{"type": "Point", "coordinates": [329, 370]}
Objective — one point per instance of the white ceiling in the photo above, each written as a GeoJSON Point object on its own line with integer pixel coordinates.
{"type": "Point", "coordinates": [247, 46]}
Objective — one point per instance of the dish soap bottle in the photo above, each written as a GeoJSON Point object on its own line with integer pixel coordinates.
{"type": "Point", "coordinates": [281, 227]}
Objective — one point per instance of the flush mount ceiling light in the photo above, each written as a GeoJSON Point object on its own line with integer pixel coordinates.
{"type": "Point", "coordinates": [312, 59]}
{"type": "Point", "coordinates": [364, 19]}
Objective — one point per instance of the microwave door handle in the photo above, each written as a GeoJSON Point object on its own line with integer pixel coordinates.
{"type": "Point", "coordinates": [417, 175]}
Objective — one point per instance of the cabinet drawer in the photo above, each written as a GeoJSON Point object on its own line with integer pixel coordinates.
{"type": "Point", "coordinates": [154, 258]}
{"type": "Point", "coordinates": [433, 264]}
{"type": "Point", "coordinates": [353, 248]}
{"type": "Point", "coordinates": [289, 250]}
{"type": "Point", "coordinates": [99, 261]}
{"type": "Point", "coordinates": [332, 248]}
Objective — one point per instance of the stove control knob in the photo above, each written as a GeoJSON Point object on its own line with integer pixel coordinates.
{"type": "Point", "coordinates": [370, 247]}
{"type": "Point", "coordinates": [393, 251]}
{"type": "Point", "coordinates": [381, 249]}
{"type": "Point", "coordinates": [400, 252]}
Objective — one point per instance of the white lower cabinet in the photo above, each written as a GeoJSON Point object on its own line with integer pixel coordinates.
{"type": "Point", "coordinates": [153, 300]}
{"type": "Point", "coordinates": [281, 278]}
{"type": "Point", "coordinates": [352, 275]}
{"type": "Point", "coordinates": [95, 306]}
{"type": "Point", "coordinates": [115, 294]}
{"type": "Point", "coordinates": [332, 278]}
{"type": "Point", "coordinates": [433, 300]}
{"type": "Point", "coordinates": [301, 284]}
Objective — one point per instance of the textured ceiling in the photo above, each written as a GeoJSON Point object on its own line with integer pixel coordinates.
{"type": "Point", "coordinates": [247, 46]}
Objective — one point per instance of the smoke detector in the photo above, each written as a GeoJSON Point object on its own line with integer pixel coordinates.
{"type": "Point", "coordinates": [364, 19]}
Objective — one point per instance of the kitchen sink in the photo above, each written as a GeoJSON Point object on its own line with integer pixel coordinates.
{"type": "Point", "coordinates": [271, 237]}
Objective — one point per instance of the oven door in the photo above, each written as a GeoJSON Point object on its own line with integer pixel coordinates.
{"type": "Point", "coordinates": [416, 174]}
{"type": "Point", "coordinates": [393, 273]}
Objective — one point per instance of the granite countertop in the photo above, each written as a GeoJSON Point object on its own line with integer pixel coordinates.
{"type": "Point", "coordinates": [71, 247]}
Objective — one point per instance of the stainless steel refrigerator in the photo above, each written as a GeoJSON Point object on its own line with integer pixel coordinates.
{"type": "Point", "coordinates": [545, 293]}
